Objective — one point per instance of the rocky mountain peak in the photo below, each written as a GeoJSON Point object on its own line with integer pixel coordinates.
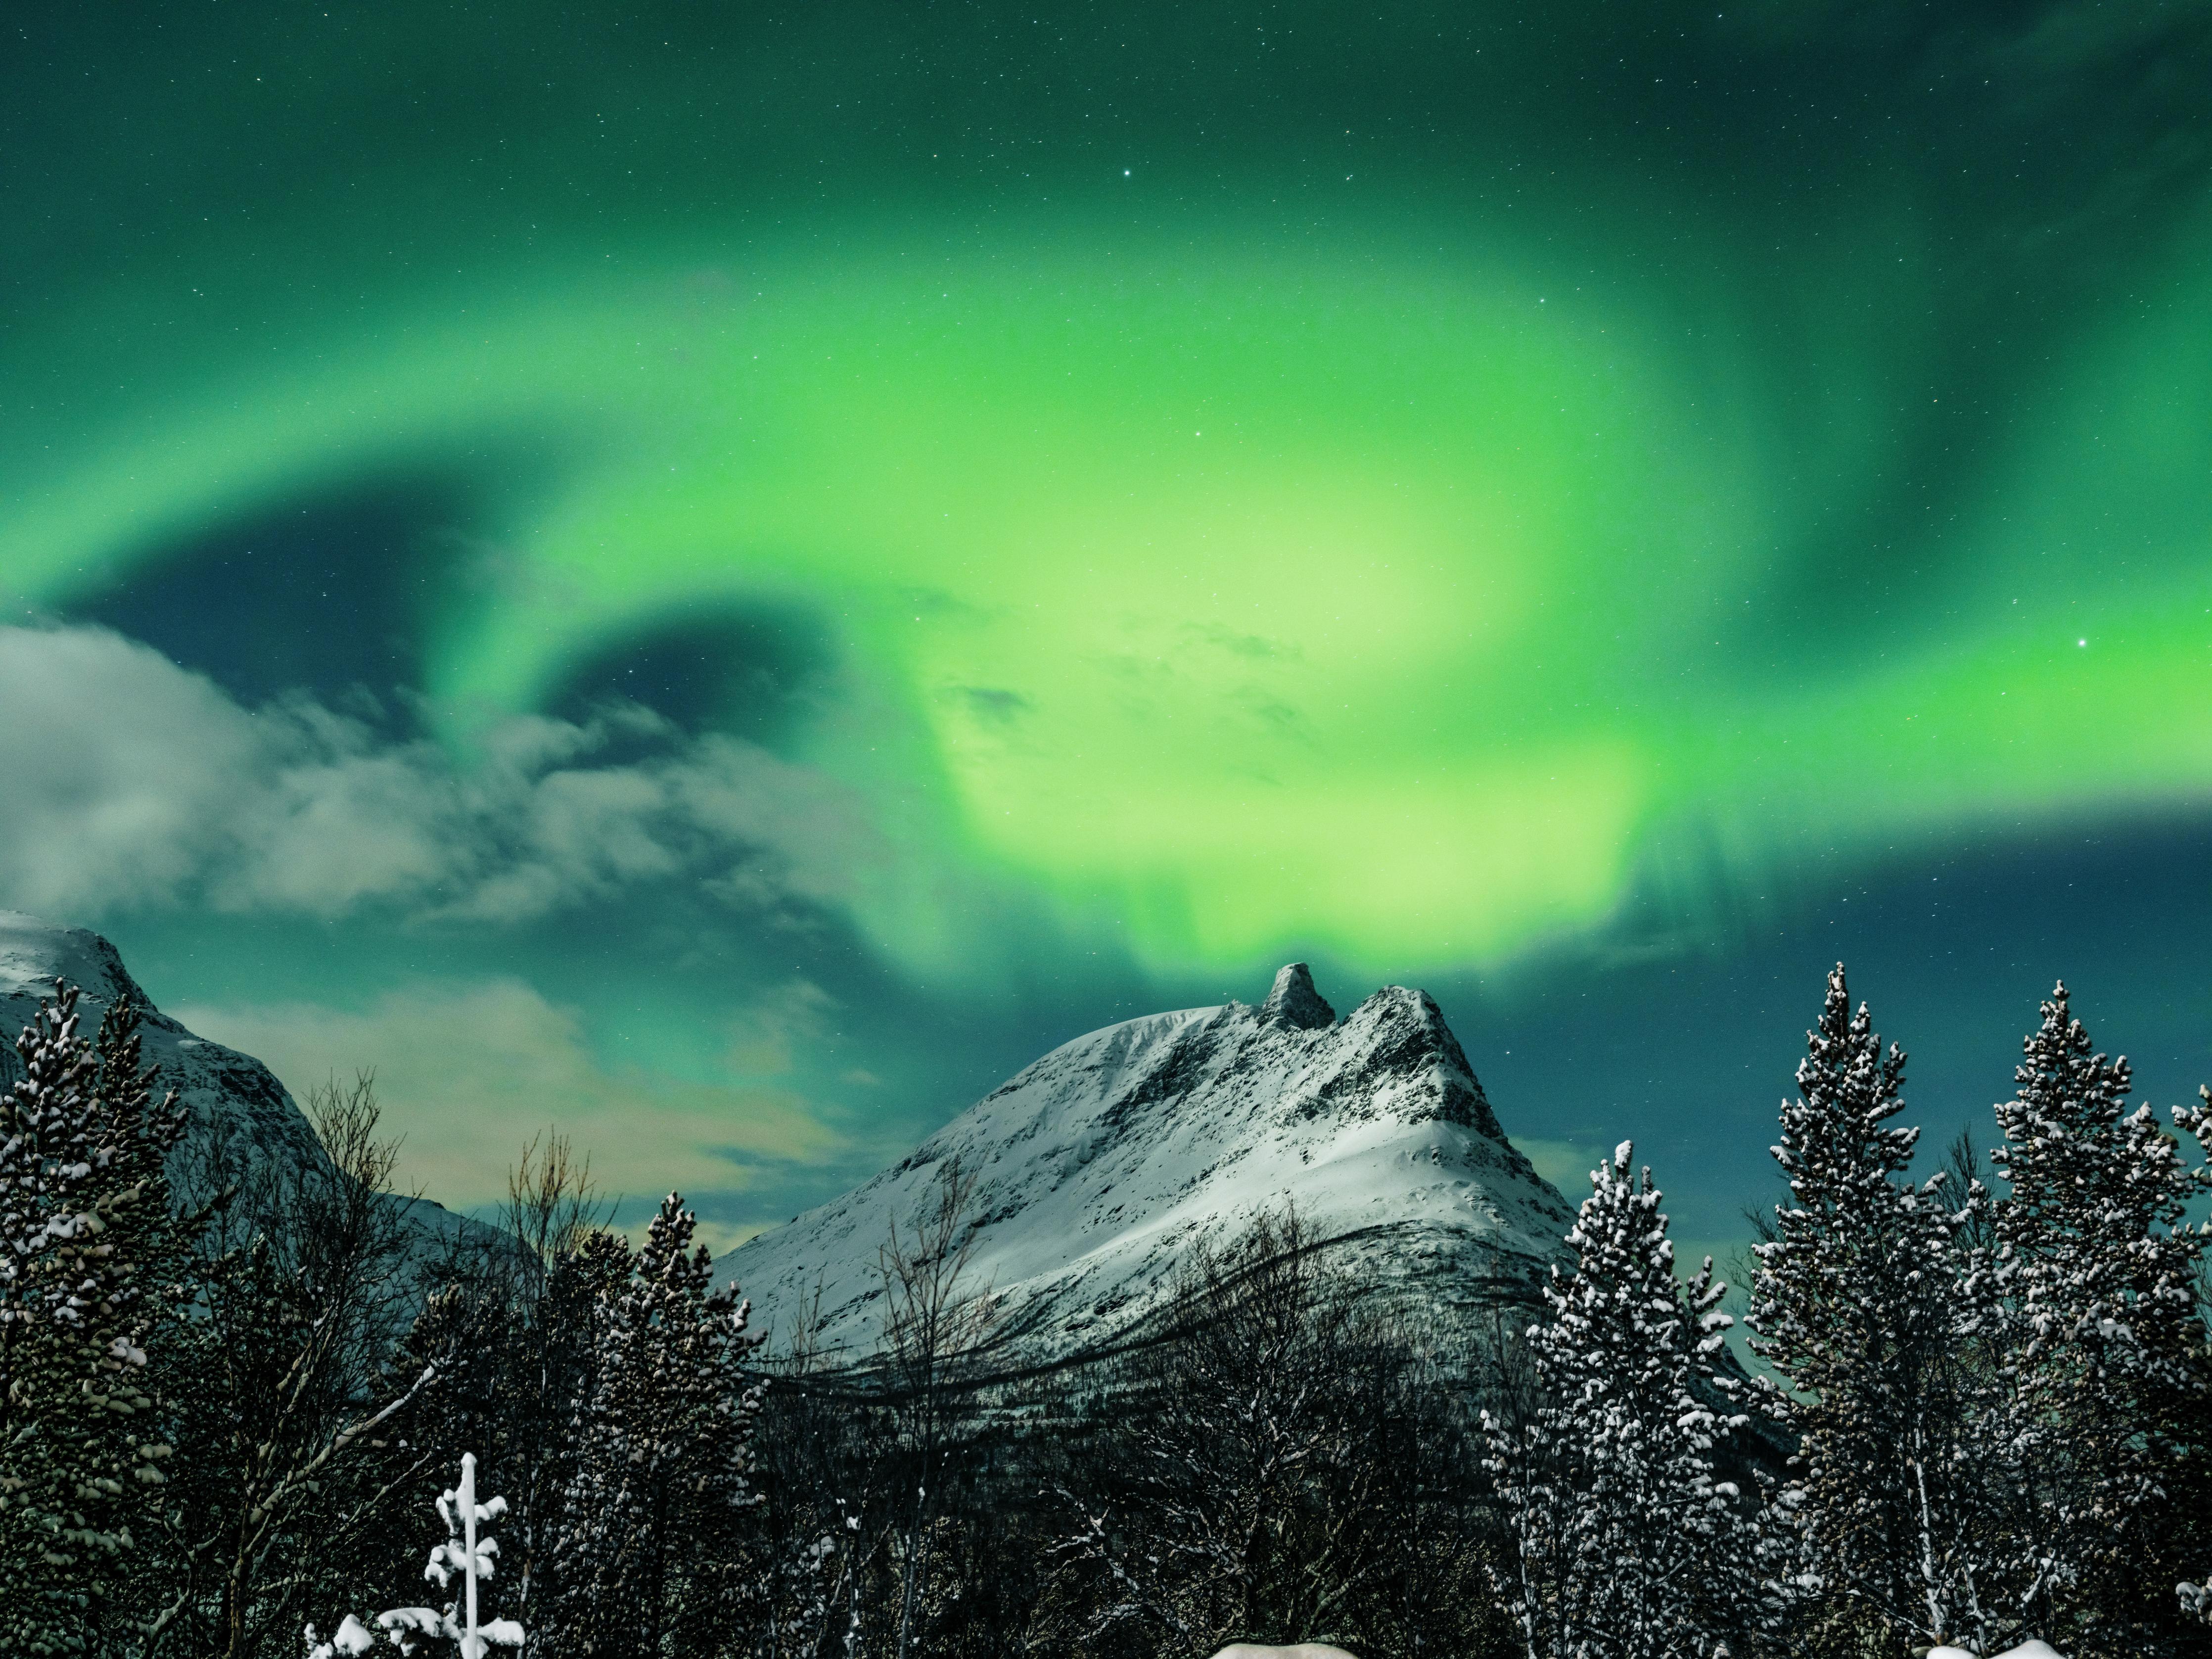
{"type": "Point", "coordinates": [231, 1097]}
{"type": "Point", "coordinates": [1294, 1001]}
{"type": "Point", "coordinates": [34, 953]}
{"type": "Point", "coordinates": [232, 1101]}
{"type": "Point", "coordinates": [1403, 1036]}
{"type": "Point", "coordinates": [1101, 1164]}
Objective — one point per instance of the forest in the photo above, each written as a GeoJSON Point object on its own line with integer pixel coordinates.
{"type": "Point", "coordinates": [1971, 1404]}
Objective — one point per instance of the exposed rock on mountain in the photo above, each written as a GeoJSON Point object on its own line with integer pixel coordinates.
{"type": "Point", "coordinates": [1103, 1161]}
{"type": "Point", "coordinates": [232, 1098]}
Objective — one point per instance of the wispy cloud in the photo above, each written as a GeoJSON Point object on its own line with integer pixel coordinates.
{"type": "Point", "coordinates": [467, 1071]}
{"type": "Point", "coordinates": [993, 704]}
{"type": "Point", "coordinates": [133, 783]}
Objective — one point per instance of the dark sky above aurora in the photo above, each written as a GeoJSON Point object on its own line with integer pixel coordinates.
{"type": "Point", "coordinates": [723, 576]}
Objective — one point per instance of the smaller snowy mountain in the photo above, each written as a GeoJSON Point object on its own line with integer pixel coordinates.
{"type": "Point", "coordinates": [1103, 1162]}
{"type": "Point", "coordinates": [230, 1096]}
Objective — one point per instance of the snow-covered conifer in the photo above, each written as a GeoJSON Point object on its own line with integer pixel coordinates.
{"type": "Point", "coordinates": [84, 1223]}
{"type": "Point", "coordinates": [1859, 1302]}
{"type": "Point", "coordinates": [648, 1557]}
{"type": "Point", "coordinates": [470, 1555]}
{"type": "Point", "coordinates": [2099, 1269]}
{"type": "Point", "coordinates": [2197, 1599]}
{"type": "Point", "coordinates": [1625, 1540]}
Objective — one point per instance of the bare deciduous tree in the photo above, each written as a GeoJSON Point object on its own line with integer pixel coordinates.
{"type": "Point", "coordinates": [304, 1287]}
{"type": "Point", "coordinates": [1257, 1475]}
{"type": "Point", "coordinates": [937, 1321]}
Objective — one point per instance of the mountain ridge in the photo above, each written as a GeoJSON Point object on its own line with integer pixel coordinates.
{"type": "Point", "coordinates": [1101, 1163]}
{"type": "Point", "coordinates": [227, 1095]}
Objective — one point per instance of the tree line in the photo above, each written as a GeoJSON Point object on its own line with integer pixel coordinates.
{"type": "Point", "coordinates": [1976, 1410]}
{"type": "Point", "coordinates": [1990, 1403]}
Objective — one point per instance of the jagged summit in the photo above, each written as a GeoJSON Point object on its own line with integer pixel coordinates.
{"type": "Point", "coordinates": [1103, 1161]}
{"type": "Point", "coordinates": [1295, 1002]}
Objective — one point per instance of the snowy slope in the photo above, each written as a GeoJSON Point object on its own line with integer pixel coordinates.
{"type": "Point", "coordinates": [1102, 1162]}
{"type": "Point", "coordinates": [229, 1095]}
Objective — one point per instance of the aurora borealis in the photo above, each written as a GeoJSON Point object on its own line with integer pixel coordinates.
{"type": "Point", "coordinates": [790, 559]}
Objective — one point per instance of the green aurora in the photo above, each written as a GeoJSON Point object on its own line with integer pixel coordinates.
{"type": "Point", "coordinates": [1193, 590]}
{"type": "Point", "coordinates": [1266, 483]}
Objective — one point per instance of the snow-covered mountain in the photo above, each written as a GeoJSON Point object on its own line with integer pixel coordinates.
{"type": "Point", "coordinates": [230, 1096]}
{"type": "Point", "coordinates": [1103, 1161]}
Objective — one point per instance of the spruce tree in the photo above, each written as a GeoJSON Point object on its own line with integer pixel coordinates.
{"type": "Point", "coordinates": [2195, 1479]}
{"type": "Point", "coordinates": [2097, 1269]}
{"type": "Point", "coordinates": [85, 1229]}
{"type": "Point", "coordinates": [650, 1556]}
{"type": "Point", "coordinates": [1625, 1542]}
{"type": "Point", "coordinates": [1860, 1303]}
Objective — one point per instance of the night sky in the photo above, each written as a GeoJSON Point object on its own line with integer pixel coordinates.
{"type": "Point", "coordinates": [723, 576]}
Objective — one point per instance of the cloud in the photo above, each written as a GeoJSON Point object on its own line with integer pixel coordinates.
{"type": "Point", "coordinates": [131, 782]}
{"type": "Point", "coordinates": [468, 1071]}
{"type": "Point", "coordinates": [768, 1040]}
{"type": "Point", "coordinates": [1255, 647]}
{"type": "Point", "coordinates": [991, 704]}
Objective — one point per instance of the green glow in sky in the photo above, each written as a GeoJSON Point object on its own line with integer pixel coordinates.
{"type": "Point", "coordinates": [1398, 603]}
{"type": "Point", "coordinates": [1393, 542]}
